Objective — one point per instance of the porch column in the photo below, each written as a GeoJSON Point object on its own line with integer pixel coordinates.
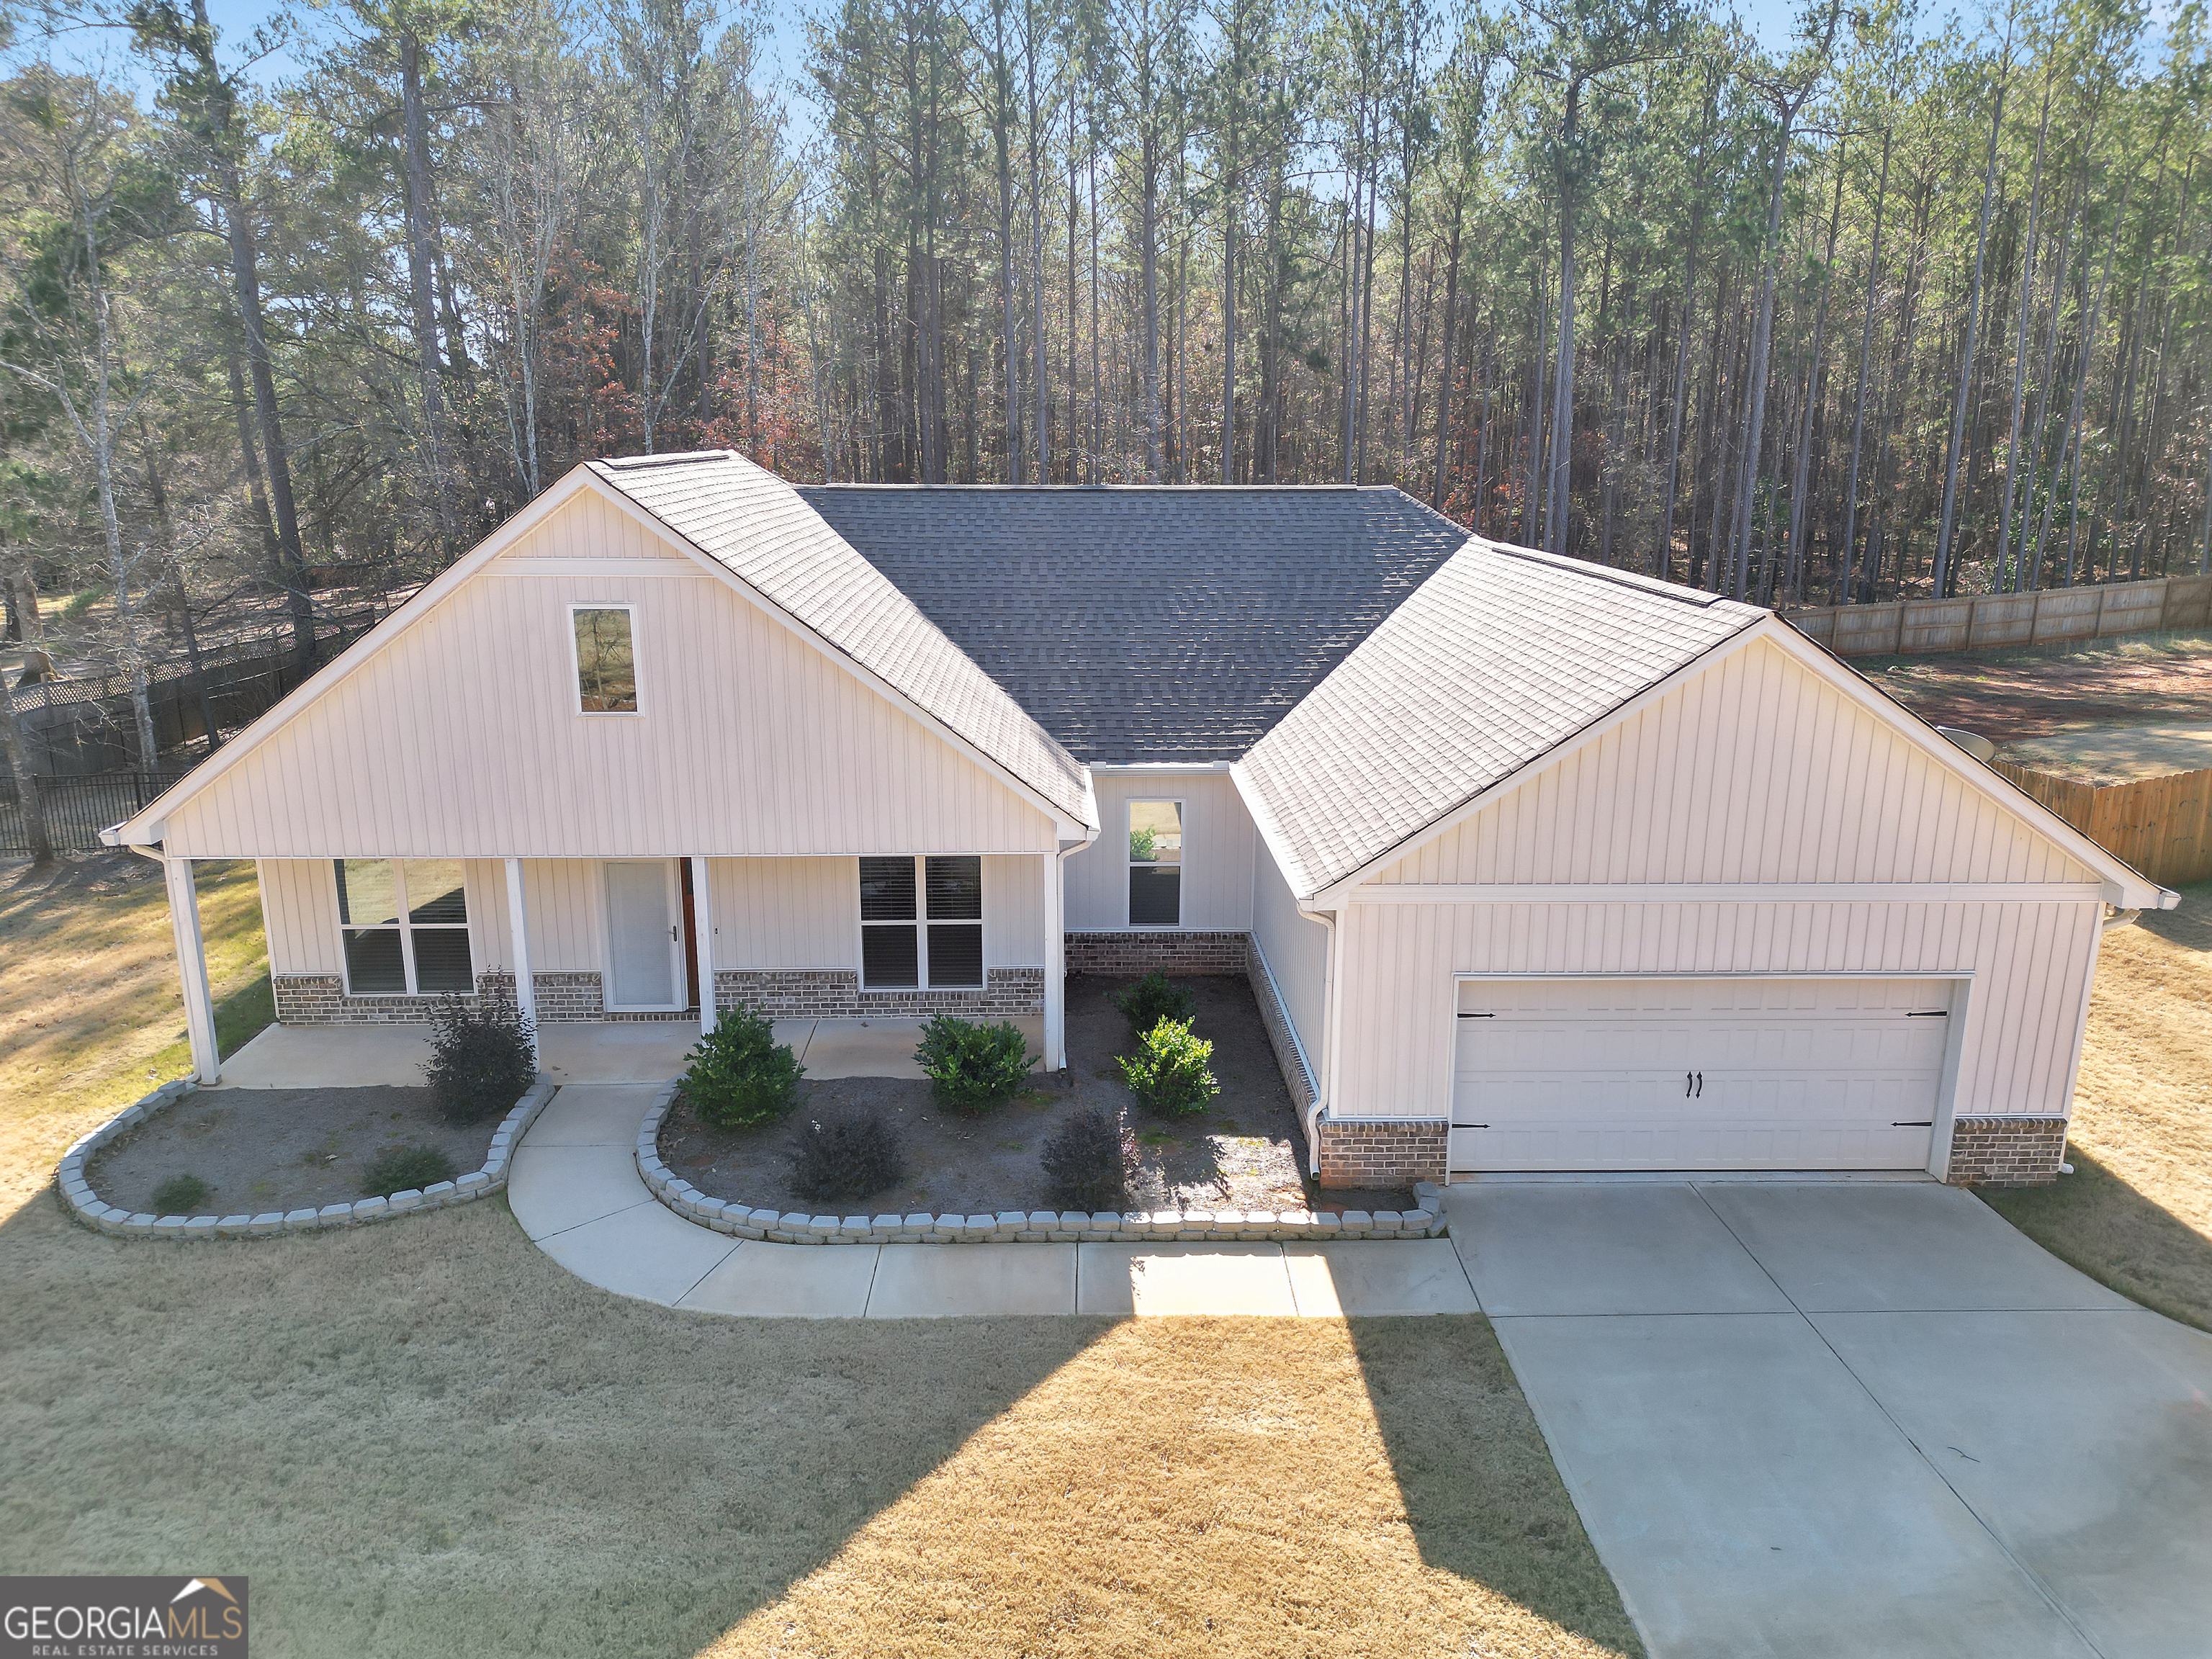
{"type": "Point", "coordinates": [703, 927]}
{"type": "Point", "coordinates": [191, 964]}
{"type": "Point", "coordinates": [1055, 961]}
{"type": "Point", "coordinates": [518, 928]}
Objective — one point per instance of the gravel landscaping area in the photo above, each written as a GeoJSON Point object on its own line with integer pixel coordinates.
{"type": "Point", "coordinates": [1245, 1153]}
{"type": "Point", "coordinates": [279, 1149]}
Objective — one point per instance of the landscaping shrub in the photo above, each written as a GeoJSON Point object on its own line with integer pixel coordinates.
{"type": "Point", "coordinates": [402, 1167]}
{"type": "Point", "coordinates": [181, 1195]}
{"type": "Point", "coordinates": [1087, 1164]}
{"type": "Point", "coordinates": [1153, 998]}
{"type": "Point", "coordinates": [482, 1058]}
{"type": "Point", "coordinates": [1169, 1071]}
{"type": "Point", "coordinates": [739, 1075]}
{"type": "Point", "coordinates": [846, 1157]}
{"type": "Point", "coordinates": [971, 1067]}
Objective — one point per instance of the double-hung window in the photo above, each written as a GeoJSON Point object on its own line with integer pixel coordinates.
{"type": "Point", "coordinates": [606, 659]}
{"type": "Point", "coordinates": [922, 923]}
{"type": "Point", "coordinates": [404, 923]}
{"type": "Point", "coordinates": [1155, 864]}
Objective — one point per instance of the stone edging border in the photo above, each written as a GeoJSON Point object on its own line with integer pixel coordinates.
{"type": "Point", "coordinates": [1012, 1226]}
{"type": "Point", "coordinates": [87, 1206]}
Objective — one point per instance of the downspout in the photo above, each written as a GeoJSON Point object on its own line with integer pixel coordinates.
{"type": "Point", "coordinates": [1058, 947]}
{"type": "Point", "coordinates": [2115, 919]}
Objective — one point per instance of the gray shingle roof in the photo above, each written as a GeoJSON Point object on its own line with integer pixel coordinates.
{"type": "Point", "coordinates": [758, 525]}
{"type": "Point", "coordinates": [1502, 655]}
{"type": "Point", "coordinates": [1148, 623]}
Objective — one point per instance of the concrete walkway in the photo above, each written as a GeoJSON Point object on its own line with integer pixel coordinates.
{"type": "Point", "coordinates": [1851, 1419]}
{"type": "Point", "coordinates": [574, 1188]}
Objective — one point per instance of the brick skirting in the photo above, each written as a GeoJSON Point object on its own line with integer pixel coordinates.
{"type": "Point", "coordinates": [836, 993]}
{"type": "Point", "coordinates": [1276, 1018]}
{"type": "Point", "coordinates": [2006, 1151]}
{"type": "Point", "coordinates": [1354, 1153]}
{"type": "Point", "coordinates": [1172, 952]}
{"type": "Point", "coordinates": [321, 999]}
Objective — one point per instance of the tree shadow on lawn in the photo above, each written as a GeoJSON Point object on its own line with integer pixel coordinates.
{"type": "Point", "coordinates": [1482, 1495]}
{"type": "Point", "coordinates": [2094, 1220]}
{"type": "Point", "coordinates": [426, 1437]}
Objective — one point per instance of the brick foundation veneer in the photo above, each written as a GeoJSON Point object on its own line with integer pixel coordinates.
{"type": "Point", "coordinates": [1170, 952]}
{"type": "Point", "coordinates": [2006, 1151]}
{"type": "Point", "coordinates": [1354, 1153]}
{"type": "Point", "coordinates": [836, 993]}
{"type": "Point", "coordinates": [321, 999]}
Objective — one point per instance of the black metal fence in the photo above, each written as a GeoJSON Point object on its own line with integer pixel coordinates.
{"type": "Point", "coordinates": [77, 809]}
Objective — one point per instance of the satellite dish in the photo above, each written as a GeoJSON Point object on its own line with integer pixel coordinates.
{"type": "Point", "coordinates": [1972, 742]}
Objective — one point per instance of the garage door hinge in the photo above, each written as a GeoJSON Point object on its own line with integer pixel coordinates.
{"type": "Point", "coordinates": [1478, 1017]}
{"type": "Point", "coordinates": [1929, 1013]}
{"type": "Point", "coordinates": [1919, 1123]}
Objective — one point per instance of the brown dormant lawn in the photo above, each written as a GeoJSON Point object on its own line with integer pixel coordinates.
{"type": "Point", "coordinates": [426, 1439]}
{"type": "Point", "coordinates": [2138, 1211]}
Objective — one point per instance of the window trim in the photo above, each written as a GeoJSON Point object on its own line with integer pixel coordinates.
{"type": "Point", "coordinates": [921, 923]}
{"type": "Point", "coordinates": [404, 927]}
{"type": "Point", "coordinates": [576, 662]}
{"type": "Point", "coordinates": [1183, 863]}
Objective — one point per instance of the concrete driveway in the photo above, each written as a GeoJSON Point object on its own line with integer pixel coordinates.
{"type": "Point", "coordinates": [1853, 1418]}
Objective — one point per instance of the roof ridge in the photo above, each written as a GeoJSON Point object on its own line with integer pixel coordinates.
{"type": "Point", "coordinates": [1656, 586]}
{"type": "Point", "coordinates": [678, 458]}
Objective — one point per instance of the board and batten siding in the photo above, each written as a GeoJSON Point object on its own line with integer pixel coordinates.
{"type": "Point", "coordinates": [805, 913]}
{"type": "Point", "coordinates": [459, 737]}
{"type": "Point", "coordinates": [1296, 950]}
{"type": "Point", "coordinates": [299, 914]}
{"type": "Point", "coordinates": [1218, 840]}
{"type": "Point", "coordinates": [1755, 771]}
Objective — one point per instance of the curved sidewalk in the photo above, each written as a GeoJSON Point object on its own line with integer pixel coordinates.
{"type": "Point", "coordinates": [575, 1190]}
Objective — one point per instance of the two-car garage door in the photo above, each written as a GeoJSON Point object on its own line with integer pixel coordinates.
{"type": "Point", "coordinates": [1697, 1074]}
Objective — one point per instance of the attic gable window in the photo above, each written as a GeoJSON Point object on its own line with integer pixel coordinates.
{"type": "Point", "coordinates": [606, 659]}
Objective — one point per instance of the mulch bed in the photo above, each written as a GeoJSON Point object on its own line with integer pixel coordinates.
{"type": "Point", "coordinates": [1245, 1153]}
{"type": "Point", "coordinates": [279, 1149]}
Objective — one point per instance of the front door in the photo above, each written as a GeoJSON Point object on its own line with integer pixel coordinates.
{"type": "Point", "coordinates": [645, 937]}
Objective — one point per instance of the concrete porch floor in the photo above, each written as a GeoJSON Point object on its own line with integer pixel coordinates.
{"type": "Point", "coordinates": [614, 1051]}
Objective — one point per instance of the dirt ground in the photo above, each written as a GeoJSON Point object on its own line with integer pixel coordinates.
{"type": "Point", "coordinates": [280, 1149]}
{"type": "Point", "coordinates": [1245, 1153]}
{"type": "Point", "coordinates": [2118, 754]}
{"type": "Point", "coordinates": [2008, 696]}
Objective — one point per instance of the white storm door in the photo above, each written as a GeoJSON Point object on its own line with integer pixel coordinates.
{"type": "Point", "coordinates": [645, 937]}
{"type": "Point", "coordinates": [1697, 1074]}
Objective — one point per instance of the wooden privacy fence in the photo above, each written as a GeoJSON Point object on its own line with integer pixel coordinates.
{"type": "Point", "coordinates": [1982, 622]}
{"type": "Point", "coordinates": [2162, 826]}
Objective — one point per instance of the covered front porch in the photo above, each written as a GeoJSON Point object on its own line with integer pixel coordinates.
{"type": "Point", "coordinates": [362, 1056]}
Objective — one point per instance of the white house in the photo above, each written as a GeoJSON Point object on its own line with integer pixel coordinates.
{"type": "Point", "coordinates": [1534, 865]}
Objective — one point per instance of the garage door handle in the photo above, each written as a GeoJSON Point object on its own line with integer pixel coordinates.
{"type": "Point", "coordinates": [1700, 1095]}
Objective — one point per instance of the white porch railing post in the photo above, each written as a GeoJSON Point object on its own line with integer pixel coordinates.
{"type": "Point", "coordinates": [702, 927]}
{"type": "Point", "coordinates": [1055, 961]}
{"type": "Point", "coordinates": [518, 928]}
{"type": "Point", "coordinates": [192, 964]}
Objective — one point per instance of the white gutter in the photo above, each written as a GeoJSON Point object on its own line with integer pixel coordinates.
{"type": "Point", "coordinates": [2119, 918]}
{"type": "Point", "coordinates": [1329, 1005]}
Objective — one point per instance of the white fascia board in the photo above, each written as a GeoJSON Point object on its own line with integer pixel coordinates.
{"type": "Point", "coordinates": [2125, 888]}
{"type": "Point", "coordinates": [1732, 892]}
{"type": "Point", "coordinates": [1064, 827]}
{"type": "Point", "coordinates": [145, 827]}
{"type": "Point", "coordinates": [1336, 892]}
{"type": "Point", "coordinates": [1170, 767]}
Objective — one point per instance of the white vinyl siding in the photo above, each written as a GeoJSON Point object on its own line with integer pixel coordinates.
{"type": "Point", "coordinates": [1664, 1073]}
{"type": "Point", "coordinates": [1296, 953]}
{"type": "Point", "coordinates": [1217, 843]}
{"type": "Point", "coordinates": [757, 742]}
{"type": "Point", "coordinates": [1754, 772]}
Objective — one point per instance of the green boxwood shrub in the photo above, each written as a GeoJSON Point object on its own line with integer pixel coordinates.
{"type": "Point", "coordinates": [739, 1075]}
{"type": "Point", "coordinates": [1087, 1163]}
{"type": "Point", "coordinates": [481, 1059]}
{"type": "Point", "coordinates": [846, 1157]}
{"type": "Point", "coordinates": [1169, 1071]}
{"type": "Point", "coordinates": [972, 1068]}
{"type": "Point", "coordinates": [1153, 998]}
{"type": "Point", "coordinates": [398, 1168]}
{"type": "Point", "coordinates": [181, 1195]}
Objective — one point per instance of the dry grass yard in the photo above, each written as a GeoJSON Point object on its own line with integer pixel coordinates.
{"type": "Point", "coordinates": [2138, 1211]}
{"type": "Point", "coordinates": [427, 1439]}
